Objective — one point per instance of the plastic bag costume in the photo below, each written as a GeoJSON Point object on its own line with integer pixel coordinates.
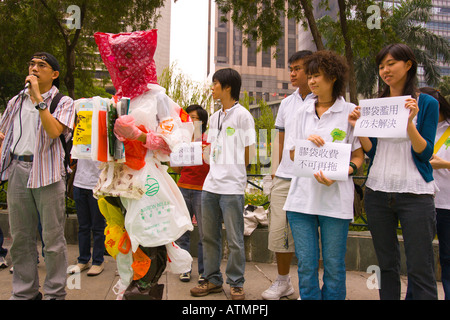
{"type": "Point", "coordinates": [143, 207]}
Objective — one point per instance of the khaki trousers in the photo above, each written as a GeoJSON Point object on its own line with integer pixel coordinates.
{"type": "Point", "coordinates": [25, 207]}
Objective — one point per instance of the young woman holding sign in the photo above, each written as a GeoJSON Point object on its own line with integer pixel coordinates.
{"type": "Point", "coordinates": [400, 185]}
{"type": "Point", "coordinates": [322, 201]}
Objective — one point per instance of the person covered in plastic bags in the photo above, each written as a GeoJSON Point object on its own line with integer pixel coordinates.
{"type": "Point", "coordinates": [144, 209]}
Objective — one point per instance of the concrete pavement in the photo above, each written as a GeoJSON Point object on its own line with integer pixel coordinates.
{"type": "Point", "coordinates": [258, 278]}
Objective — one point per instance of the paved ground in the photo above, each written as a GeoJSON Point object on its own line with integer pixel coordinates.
{"type": "Point", "coordinates": [258, 278]}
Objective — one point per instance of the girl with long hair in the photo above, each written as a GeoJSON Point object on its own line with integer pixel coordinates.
{"type": "Point", "coordinates": [400, 187]}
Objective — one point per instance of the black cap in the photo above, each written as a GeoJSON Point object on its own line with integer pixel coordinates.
{"type": "Point", "coordinates": [51, 60]}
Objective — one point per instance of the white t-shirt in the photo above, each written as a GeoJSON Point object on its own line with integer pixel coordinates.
{"type": "Point", "coordinates": [284, 122]}
{"type": "Point", "coordinates": [87, 174]}
{"type": "Point", "coordinates": [229, 133]}
{"type": "Point", "coordinates": [306, 195]}
{"type": "Point", "coordinates": [442, 176]}
{"type": "Point", "coordinates": [393, 162]}
{"type": "Point", "coordinates": [25, 128]}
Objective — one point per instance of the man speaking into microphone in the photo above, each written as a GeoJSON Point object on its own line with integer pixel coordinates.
{"type": "Point", "coordinates": [32, 160]}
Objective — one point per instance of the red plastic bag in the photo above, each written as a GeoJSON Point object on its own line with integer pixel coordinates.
{"type": "Point", "coordinates": [129, 59]}
{"type": "Point", "coordinates": [135, 152]}
{"type": "Point", "coordinates": [141, 264]}
{"type": "Point", "coordinates": [102, 137]}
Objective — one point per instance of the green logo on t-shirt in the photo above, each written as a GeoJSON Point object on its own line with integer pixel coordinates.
{"type": "Point", "coordinates": [447, 143]}
{"type": "Point", "coordinates": [230, 131]}
{"type": "Point", "coordinates": [338, 134]}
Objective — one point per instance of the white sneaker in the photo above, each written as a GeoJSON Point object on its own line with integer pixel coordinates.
{"type": "Point", "coordinates": [278, 289]}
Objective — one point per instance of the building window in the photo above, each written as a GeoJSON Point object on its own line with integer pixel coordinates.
{"type": "Point", "coordinates": [266, 58]}
{"type": "Point", "coordinates": [237, 47]}
{"type": "Point", "coordinates": [292, 46]}
{"type": "Point", "coordinates": [251, 54]}
{"type": "Point", "coordinates": [221, 46]}
{"type": "Point", "coordinates": [285, 85]}
{"type": "Point", "coordinates": [281, 47]}
{"type": "Point", "coordinates": [259, 84]}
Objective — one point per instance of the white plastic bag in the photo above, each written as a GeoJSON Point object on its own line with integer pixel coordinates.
{"type": "Point", "coordinates": [179, 260]}
{"type": "Point", "coordinates": [253, 216]}
{"type": "Point", "coordinates": [124, 262]}
{"type": "Point", "coordinates": [157, 112]}
{"type": "Point", "coordinates": [119, 180]}
{"type": "Point", "coordinates": [160, 216]}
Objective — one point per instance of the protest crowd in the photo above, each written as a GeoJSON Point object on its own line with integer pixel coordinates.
{"type": "Point", "coordinates": [123, 148]}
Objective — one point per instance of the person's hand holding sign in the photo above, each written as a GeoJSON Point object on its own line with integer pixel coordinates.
{"type": "Point", "coordinates": [413, 107]}
{"type": "Point", "coordinates": [320, 177]}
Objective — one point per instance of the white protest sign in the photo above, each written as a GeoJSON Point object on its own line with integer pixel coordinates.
{"type": "Point", "coordinates": [383, 118]}
{"type": "Point", "coordinates": [187, 154]}
{"type": "Point", "coordinates": [332, 159]}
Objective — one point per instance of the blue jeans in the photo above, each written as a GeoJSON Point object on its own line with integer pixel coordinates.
{"type": "Point", "coordinates": [229, 209]}
{"type": "Point", "coordinates": [3, 251]}
{"type": "Point", "coordinates": [333, 236]}
{"type": "Point", "coordinates": [443, 232]}
{"type": "Point", "coordinates": [89, 219]}
{"type": "Point", "coordinates": [417, 217]}
{"type": "Point", "coordinates": [193, 199]}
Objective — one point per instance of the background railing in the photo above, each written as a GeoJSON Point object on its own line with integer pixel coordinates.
{"type": "Point", "coordinates": [360, 219]}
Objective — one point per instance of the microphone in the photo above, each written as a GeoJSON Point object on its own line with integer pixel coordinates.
{"type": "Point", "coordinates": [28, 84]}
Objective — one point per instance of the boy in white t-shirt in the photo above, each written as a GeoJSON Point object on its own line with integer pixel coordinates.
{"type": "Point", "coordinates": [232, 137]}
{"type": "Point", "coordinates": [280, 235]}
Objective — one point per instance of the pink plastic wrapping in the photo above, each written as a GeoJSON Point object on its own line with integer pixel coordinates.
{"type": "Point", "coordinates": [129, 59]}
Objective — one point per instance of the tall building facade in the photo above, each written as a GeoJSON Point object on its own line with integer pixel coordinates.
{"type": "Point", "coordinates": [440, 25]}
{"type": "Point", "coordinates": [263, 76]}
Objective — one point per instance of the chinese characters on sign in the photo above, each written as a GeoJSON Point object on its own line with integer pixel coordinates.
{"type": "Point", "coordinates": [332, 159]}
{"type": "Point", "coordinates": [383, 118]}
{"type": "Point", "coordinates": [187, 154]}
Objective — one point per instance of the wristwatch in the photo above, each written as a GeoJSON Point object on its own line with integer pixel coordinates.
{"type": "Point", "coordinates": [41, 106]}
{"type": "Point", "coordinates": [355, 168]}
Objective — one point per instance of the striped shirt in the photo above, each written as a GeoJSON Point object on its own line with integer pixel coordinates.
{"type": "Point", "coordinates": [48, 162]}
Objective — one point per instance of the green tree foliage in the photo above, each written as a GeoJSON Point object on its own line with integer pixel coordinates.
{"type": "Point", "coordinates": [29, 26]}
{"type": "Point", "coordinates": [444, 87]}
{"type": "Point", "coordinates": [261, 20]}
{"type": "Point", "coordinates": [183, 90]}
{"type": "Point", "coordinates": [264, 125]}
{"type": "Point", "coordinates": [404, 24]}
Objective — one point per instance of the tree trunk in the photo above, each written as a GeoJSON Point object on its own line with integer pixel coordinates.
{"type": "Point", "coordinates": [309, 14]}
{"type": "Point", "coordinates": [348, 52]}
{"type": "Point", "coordinates": [69, 79]}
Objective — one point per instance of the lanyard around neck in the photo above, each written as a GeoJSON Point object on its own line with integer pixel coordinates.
{"type": "Point", "coordinates": [220, 124]}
